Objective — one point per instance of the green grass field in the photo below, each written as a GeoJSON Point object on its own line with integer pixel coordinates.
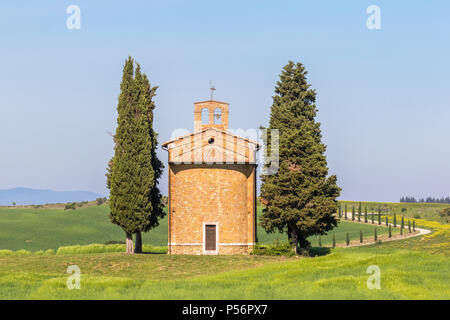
{"type": "Point", "coordinates": [42, 229]}
{"type": "Point", "coordinates": [414, 268]}
{"type": "Point", "coordinates": [405, 274]}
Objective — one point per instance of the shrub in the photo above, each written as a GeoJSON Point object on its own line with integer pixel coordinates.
{"type": "Point", "coordinates": [102, 248]}
{"type": "Point", "coordinates": [417, 216]}
{"type": "Point", "coordinates": [278, 248]}
{"type": "Point", "coordinates": [445, 215]}
{"type": "Point", "coordinates": [70, 206]}
{"type": "Point", "coordinates": [404, 209]}
{"type": "Point", "coordinates": [21, 252]}
{"type": "Point", "coordinates": [49, 252]}
{"type": "Point", "coordinates": [6, 252]}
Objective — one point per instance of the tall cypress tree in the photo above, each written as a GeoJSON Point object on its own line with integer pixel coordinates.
{"type": "Point", "coordinates": [300, 198]}
{"type": "Point", "coordinates": [134, 170]}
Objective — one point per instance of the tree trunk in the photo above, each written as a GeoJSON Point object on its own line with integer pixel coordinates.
{"type": "Point", "coordinates": [299, 242]}
{"type": "Point", "coordinates": [129, 243]}
{"type": "Point", "coordinates": [292, 235]}
{"type": "Point", "coordinates": [304, 245]}
{"type": "Point", "coordinates": [138, 244]}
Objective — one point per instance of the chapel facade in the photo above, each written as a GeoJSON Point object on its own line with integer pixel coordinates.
{"type": "Point", "coordinates": [212, 186]}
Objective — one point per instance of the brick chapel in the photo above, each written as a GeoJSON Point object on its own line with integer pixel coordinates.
{"type": "Point", "coordinates": [212, 186]}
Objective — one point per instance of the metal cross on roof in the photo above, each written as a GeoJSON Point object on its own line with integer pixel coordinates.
{"type": "Point", "coordinates": [212, 88]}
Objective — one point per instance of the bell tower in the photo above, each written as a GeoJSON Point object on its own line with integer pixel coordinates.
{"type": "Point", "coordinates": [210, 114]}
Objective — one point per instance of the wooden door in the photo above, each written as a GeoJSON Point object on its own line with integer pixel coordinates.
{"type": "Point", "coordinates": [210, 237]}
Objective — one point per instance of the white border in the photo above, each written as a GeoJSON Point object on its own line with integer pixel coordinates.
{"type": "Point", "coordinates": [217, 238]}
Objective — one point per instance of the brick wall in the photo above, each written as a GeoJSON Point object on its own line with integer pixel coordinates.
{"type": "Point", "coordinates": [222, 194]}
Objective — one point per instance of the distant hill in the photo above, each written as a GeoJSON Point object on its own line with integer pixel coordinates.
{"type": "Point", "coordinates": [26, 196]}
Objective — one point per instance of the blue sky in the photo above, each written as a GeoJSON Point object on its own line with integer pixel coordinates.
{"type": "Point", "coordinates": [383, 95]}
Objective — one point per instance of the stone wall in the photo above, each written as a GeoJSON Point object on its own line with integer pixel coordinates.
{"type": "Point", "coordinates": [218, 193]}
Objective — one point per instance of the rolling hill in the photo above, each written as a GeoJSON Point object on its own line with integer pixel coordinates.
{"type": "Point", "coordinates": [27, 196]}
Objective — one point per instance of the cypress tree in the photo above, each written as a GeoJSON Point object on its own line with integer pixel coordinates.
{"type": "Point", "coordinates": [409, 226]}
{"type": "Point", "coordinates": [379, 216]}
{"type": "Point", "coordinates": [300, 198]}
{"type": "Point", "coordinates": [387, 220]}
{"type": "Point", "coordinates": [373, 217]}
{"type": "Point", "coordinates": [375, 235]}
{"type": "Point", "coordinates": [340, 211]}
{"type": "Point", "coordinates": [360, 236]}
{"type": "Point", "coordinates": [414, 225]}
{"type": "Point", "coordinates": [365, 214]}
{"type": "Point", "coordinates": [359, 212]}
{"type": "Point", "coordinates": [347, 241]}
{"type": "Point", "coordinates": [353, 213]}
{"type": "Point", "coordinates": [395, 220]}
{"type": "Point", "coordinates": [134, 170]}
{"type": "Point", "coordinates": [334, 240]}
{"type": "Point", "coordinates": [390, 232]}
{"type": "Point", "coordinates": [346, 212]}
{"type": "Point", "coordinates": [401, 231]}
{"type": "Point", "coordinates": [402, 223]}
{"type": "Point", "coordinates": [320, 241]}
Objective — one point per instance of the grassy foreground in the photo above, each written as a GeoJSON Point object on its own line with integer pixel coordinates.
{"type": "Point", "coordinates": [414, 268]}
{"type": "Point", "coordinates": [405, 274]}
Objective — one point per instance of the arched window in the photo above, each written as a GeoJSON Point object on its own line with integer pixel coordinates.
{"type": "Point", "coordinates": [205, 116]}
{"type": "Point", "coordinates": [218, 116]}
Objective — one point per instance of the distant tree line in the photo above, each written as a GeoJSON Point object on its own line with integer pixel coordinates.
{"type": "Point", "coordinates": [427, 200]}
